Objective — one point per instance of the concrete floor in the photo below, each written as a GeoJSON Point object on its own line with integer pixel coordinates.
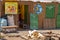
{"type": "Point", "coordinates": [23, 34]}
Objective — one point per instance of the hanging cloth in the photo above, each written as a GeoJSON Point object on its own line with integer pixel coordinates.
{"type": "Point", "coordinates": [10, 20]}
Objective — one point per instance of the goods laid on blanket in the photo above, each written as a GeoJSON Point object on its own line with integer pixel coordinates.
{"type": "Point", "coordinates": [48, 35]}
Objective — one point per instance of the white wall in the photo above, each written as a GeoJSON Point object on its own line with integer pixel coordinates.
{"type": "Point", "coordinates": [58, 1]}
{"type": "Point", "coordinates": [46, 0]}
{"type": "Point", "coordinates": [42, 0]}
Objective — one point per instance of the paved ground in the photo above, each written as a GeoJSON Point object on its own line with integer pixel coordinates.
{"type": "Point", "coordinates": [23, 34]}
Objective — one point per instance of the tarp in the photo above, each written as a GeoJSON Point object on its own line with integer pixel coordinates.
{"type": "Point", "coordinates": [3, 22]}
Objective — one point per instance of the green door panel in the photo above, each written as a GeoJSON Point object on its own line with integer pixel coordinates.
{"type": "Point", "coordinates": [25, 13]}
{"type": "Point", "coordinates": [50, 10]}
{"type": "Point", "coordinates": [59, 9]}
{"type": "Point", "coordinates": [58, 17]}
{"type": "Point", "coordinates": [33, 21]}
{"type": "Point", "coordinates": [58, 21]}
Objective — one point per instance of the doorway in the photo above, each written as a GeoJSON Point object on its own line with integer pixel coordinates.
{"type": "Point", "coordinates": [23, 15]}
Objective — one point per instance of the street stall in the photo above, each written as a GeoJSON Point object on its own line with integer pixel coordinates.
{"type": "Point", "coordinates": [22, 13]}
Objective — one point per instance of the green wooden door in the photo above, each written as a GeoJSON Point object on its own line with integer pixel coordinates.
{"type": "Point", "coordinates": [33, 21]}
{"type": "Point", "coordinates": [50, 10]}
{"type": "Point", "coordinates": [25, 13]}
{"type": "Point", "coordinates": [59, 9]}
{"type": "Point", "coordinates": [58, 21]}
{"type": "Point", "coordinates": [58, 17]}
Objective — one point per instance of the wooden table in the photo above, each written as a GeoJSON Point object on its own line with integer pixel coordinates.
{"type": "Point", "coordinates": [9, 28]}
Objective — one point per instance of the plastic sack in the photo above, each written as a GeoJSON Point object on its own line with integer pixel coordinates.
{"type": "Point", "coordinates": [3, 22]}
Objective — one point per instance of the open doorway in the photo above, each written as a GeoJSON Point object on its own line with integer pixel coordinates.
{"type": "Point", "coordinates": [23, 16]}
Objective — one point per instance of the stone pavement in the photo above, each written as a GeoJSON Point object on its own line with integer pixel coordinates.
{"type": "Point", "coordinates": [23, 34]}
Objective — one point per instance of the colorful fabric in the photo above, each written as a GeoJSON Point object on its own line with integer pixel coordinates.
{"type": "Point", "coordinates": [50, 11]}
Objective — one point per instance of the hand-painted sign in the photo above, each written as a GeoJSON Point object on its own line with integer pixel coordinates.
{"type": "Point", "coordinates": [11, 7]}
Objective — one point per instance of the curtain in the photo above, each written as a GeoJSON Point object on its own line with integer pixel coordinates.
{"type": "Point", "coordinates": [10, 20]}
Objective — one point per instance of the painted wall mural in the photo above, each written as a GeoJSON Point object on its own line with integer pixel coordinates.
{"type": "Point", "coordinates": [38, 8]}
{"type": "Point", "coordinates": [11, 7]}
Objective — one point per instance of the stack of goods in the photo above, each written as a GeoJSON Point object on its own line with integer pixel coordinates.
{"type": "Point", "coordinates": [35, 35]}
